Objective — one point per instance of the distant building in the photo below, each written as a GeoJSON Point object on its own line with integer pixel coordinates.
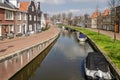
{"type": "Point", "coordinates": [115, 19]}
{"type": "Point", "coordinates": [87, 21]}
{"type": "Point", "coordinates": [106, 20]}
{"type": "Point", "coordinates": [94, 19]}
{"type": "Point", "coordinates": [43, 21]}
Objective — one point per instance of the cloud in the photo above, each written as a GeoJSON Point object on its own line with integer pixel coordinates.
{"type": "Point", "coordinates": [57, 2]}
{"type": "Point", "coordinates": [89, 1]}
{"type": "Point", "coordinates": [78, 12]}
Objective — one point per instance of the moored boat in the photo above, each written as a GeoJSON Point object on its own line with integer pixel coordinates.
{"type": "Point", "coordinates": [96, 67]}
{"type": "Point", "coordinates": [81, 37]}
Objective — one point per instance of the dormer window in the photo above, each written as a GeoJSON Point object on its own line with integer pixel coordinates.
{"type": "Point", "coordinates": [32, 8]}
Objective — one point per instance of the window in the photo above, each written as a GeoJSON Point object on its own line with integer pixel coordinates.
{"type": "Point", "coordinates": [24, 17]}
{"type": "Point", "coordinates": [34, 18]}
{"type": "Point", "coordinates": [19, 16]}
{"type": "Point", "coordinates": [11, 28]}
{"type": "Point", "coordinates": [9, 15]}
{"type": "Point", "coordinates": [30, 17]}
{"type": "Point", "coordinates": [19, 28]}
{"type": "Point", "coordinates": [32, 8]}
{"type": "Point", "coordinates": [30, 27]}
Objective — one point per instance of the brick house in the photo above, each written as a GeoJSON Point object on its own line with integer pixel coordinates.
{"type": "Point", "coordinates": [20, 18]}
{"type": "Point", "coordinates": [106, 20]}
{"type": "Point", "coordinates": [115, 20]}
{"type": "Point", "coordinates": [32, 17]}
{"type": "Point", "coordinates": [6, 19]}
{"type": "Point", "coordinates": [38, 17]}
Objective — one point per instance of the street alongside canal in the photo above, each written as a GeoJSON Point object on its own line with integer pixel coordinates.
{"type": "Point", "coordinates": [63, 62]}
{"type": "Point", "coordinates": [23, 51]}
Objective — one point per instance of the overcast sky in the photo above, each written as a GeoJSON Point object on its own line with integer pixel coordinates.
{"type": "Point", "coordinates": [78, 7]}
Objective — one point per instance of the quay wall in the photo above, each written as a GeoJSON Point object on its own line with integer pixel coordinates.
{"type": "Point", "coordinates": [14, 62]}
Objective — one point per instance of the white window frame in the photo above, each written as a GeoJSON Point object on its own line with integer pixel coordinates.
{"type": "Point", "coordinates": [32, 8]}
{"type": "Point", "coordinates": [25, 16]}
{"type": "Point", "coordinates": [19, 16]}
{"type": "Point", "coordinates": [30, 17]}
{"type": "Point", "coordinates": [10, 17]}
{"type": "Point", "coordinates": [30, 27]}
{"type": "Point", "coordinates": [11, 28]}
{"type": "Point", "coordinates": [19, 28]}
{"type": "Point", "coordinates": [34, 18]}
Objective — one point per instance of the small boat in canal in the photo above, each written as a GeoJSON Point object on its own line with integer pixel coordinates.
{"type": "Point", "coordinates": [96, 67]}
{"type": "Point", "coordinates": [81, 37]}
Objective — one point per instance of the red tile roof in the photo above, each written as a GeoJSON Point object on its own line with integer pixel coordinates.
{"type": "Point", "coordinates": [106, 12]}
{"type": "Point", "coordinates": [24, 6]}
{"type": "Point", "coordinates": [95, 14]}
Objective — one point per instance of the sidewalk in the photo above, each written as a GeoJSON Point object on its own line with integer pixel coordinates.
{"type": "Point", "coordinates": [108, 33]}
{"type": "Point", "coordinates": [9, 46]}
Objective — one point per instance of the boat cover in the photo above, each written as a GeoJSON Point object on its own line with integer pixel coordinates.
{"type": "Point", "coordinates": [96, 61]}
{"type": "Point", "coordinates": [82, 36]}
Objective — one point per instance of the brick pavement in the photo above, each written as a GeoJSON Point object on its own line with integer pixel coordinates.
{"type": "Point", "coordinates": [9, 46]}
{"type": "Point", "coordinates": [108, 33]}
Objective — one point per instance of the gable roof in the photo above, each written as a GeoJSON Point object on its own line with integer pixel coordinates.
{"type": "Point", "coordinates": [95, 14]}
{"type": "Point", "coordinates": [106, 12]}
{"type": "Point", "coordinates": [24, 6]}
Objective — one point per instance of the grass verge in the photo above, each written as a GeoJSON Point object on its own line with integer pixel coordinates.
{"type": "Point", "coordinates": [105, 43]}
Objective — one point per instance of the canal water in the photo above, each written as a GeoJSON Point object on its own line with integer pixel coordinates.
{"type": "Point", "coordinates": [62, 60]}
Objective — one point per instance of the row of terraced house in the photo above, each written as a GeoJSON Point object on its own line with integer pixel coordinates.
{"type": "Point", "coordinates": [100, 20]}
{"type": "Point", "coordinates": [19, 18]}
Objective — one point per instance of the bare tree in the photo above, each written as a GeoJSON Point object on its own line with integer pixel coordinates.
{"type": "Point", "coordinates": [70, 14]}
{"type": "Point", "coordinates": [69, 17]}
{"type": "Point", "coordinates": [113, 4]}
{"type": "Point", "coordinates": [53, 18]}
{"type": "Point", "coordinates": [98, 19]}
{"type": "Point", "coordinates": [63, 16]}
{"type": "Point", "coordinates": [59, 17]}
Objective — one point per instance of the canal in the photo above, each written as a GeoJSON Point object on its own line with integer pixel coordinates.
{"type": "Point", "coordinates": [62, 60]}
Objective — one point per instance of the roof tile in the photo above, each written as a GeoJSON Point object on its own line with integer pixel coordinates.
{"type": "Point", "coordinates": [24, 6]}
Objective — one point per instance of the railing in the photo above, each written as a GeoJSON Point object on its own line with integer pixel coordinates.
{"type": "Point", "coordinates": [14, 62]}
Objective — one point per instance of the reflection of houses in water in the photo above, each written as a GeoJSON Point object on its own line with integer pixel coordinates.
{"type": "Point", "coordinates": [27, 71]}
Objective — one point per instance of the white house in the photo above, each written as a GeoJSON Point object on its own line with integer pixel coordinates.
{"type": "Point", "coordinates": [43, 21]}
{"type": "Point", "coordinates": [94, 19]}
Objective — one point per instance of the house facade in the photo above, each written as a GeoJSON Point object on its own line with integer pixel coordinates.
{"type": "Point", "coordinates": [6, 19]}
{"type": "Point", "coordinates": [115, 19]}
{"type": "Point", "coordinates": [43, 21]}
{"type": "Point", "coordinates": [32, 17]}
{"type": "Point", "coordinates": [20, 18]}
{"type": "Point", "coordinates": [106, 20]}
{"type": "Point", "coordinates": [38, 28]}
{"type": "Point", "coordinates": [94, 19]}
{"type": "Point", "coordinates": [21, 23]}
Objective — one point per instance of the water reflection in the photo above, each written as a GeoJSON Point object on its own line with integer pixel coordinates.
{"type": "Point", "coordinates": [27, 71]}
{"type": "Point", "coordinates": [64, 61]}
